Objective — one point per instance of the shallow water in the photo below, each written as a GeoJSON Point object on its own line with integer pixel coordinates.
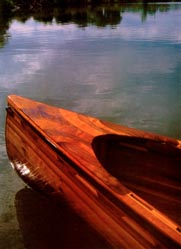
{"type": "Point", "coordinates": [120, 64]}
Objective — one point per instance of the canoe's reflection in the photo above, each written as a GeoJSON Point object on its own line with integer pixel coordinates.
{"type": "Point", "coordinates": [45, 225]}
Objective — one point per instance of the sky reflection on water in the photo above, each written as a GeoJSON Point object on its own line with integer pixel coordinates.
{"type": "Point", "coordinates": [131, 71]}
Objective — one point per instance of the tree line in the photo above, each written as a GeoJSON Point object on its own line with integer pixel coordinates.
{"type": "Point", "coordinates": [30, 4]}
{"type": "Point", "coordinates": [81, 12]}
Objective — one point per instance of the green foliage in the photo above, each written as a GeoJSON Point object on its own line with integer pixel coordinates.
{"type": "Point", "coordinates": [82, 12]}
{"type": "Point", "coordinates": [31, 4]}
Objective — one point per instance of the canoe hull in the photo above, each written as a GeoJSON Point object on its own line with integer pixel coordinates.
{"type": "Point", "coordinates": [116, 216]}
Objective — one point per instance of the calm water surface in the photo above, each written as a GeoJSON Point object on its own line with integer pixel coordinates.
{"type": "Point", "coordinates": [121, 65]}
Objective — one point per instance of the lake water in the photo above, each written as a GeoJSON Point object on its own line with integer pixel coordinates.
{"type": "Point", "coordinates": [119, 63]}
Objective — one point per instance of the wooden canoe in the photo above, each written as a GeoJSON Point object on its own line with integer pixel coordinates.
{"type": "Point", "coordinates": [124, 182]}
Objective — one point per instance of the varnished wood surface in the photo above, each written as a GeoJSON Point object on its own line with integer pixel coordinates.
{"type": "Point", "coordinates": [125, 182]}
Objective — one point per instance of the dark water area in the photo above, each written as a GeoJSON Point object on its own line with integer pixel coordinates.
{"type": "Point", "coordinates": [119, 62]}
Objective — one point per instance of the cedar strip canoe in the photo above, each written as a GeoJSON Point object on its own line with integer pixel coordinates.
{"type": "Point", "coordinates": [124, 182]}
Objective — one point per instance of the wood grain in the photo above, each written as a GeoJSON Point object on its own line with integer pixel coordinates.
{"type": "Point", "coordinates": [124, 182]}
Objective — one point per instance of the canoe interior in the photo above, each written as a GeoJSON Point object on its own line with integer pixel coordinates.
{"type": "Point", "coordinates": [145, 168]}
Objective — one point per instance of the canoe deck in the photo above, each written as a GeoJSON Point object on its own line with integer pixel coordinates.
{"type": "Point", "coordinates": [124, 182]}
